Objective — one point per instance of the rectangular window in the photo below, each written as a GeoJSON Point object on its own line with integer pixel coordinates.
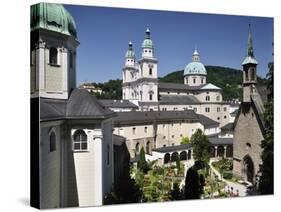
{"type": "Point", "coordinates": [150, 97]}
{"type": "Point", "coordinates": [173, 136]}
{"type": "Point", "coordinates": [207, 109]}
{"type": "Point", "coordinates": [218, 109]}
{"type": "Point", "coordinates": [224, 109]}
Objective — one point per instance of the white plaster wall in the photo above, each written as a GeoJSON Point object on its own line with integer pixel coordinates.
{"type": "Point", "coordinates": [49, 169]}
{"type": "Point", "coordinates": [88, 170]}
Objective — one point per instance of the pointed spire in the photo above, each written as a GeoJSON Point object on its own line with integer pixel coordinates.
{"type": "Point", "coordinates": [250, 58]}
{"type": "Point", "coordinates": [250, 49]}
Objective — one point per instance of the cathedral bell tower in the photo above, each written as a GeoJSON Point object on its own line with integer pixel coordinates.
{"type": "Point", "coordinates": [249, 70]}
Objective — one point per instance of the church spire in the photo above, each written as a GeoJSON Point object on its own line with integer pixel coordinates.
{"type": "Point", "coordinates": [250, 58]}
{"type": "Point", "coordinates": [147, 33]}
{"type": "Point", "coordinates": [250, 49]}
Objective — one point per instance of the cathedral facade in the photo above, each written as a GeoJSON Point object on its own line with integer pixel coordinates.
{"type": "Point", "coordinates": [141, 86]}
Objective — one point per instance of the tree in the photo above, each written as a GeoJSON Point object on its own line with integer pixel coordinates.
{"type": "Point", "coordinates": [142, 164]}
{"type": "Point", "coordinates": [201, 147]}
{"type": "Point", "coordinates": [185, 140]}
{"type": "Point", "coordinates": [266, 185]}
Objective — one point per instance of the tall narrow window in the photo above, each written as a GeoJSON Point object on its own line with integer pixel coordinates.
{"type": "Point", "coordinates": [207, 98]}
{"type": "Point", "coordinates": [137, 147]}
{"type": "Point", "coordinates": [52, 142]}
{"type": "Point", "coordinates": [148, 147]}
{"type": "Point", "coordinates": [80, 141]}
{"type": "Point", "coordinates": [150, 97]}
{"type": "Point", "coordinates": [194, 80]}
{"type": "Point", "coordinates": [150, 71]}
{"type": "Point", "coordinates": [53, 56]}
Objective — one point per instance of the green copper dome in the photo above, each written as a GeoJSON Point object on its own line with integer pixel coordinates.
{"type": "Point", "coordinates": [195, 67]}
{"type": "Point", "coordinates": [130, 52]}
{"type": "Point", "coordinates": [147, 43]}
{"type": "Point", "coordinates": [53, 17]}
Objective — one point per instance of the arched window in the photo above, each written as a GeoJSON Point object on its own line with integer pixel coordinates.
{"type": "Point", "coordinates": [53, 56]}
{"type": "Point", "coordinates": [174, 157]}
{"type": "Point", "coordinates": [183, 155]}
{"type": "Point", "coordinates": [194, 80]}
{"type": "Point", "coordinates": [167, 158]}
{"type": "Point", "coordinates": [218, 98]}
{"type": "Point", "coordinates": [80, 141]}
{"type": "Point", "coordinates": [148, 147]}
{"type": "Point", "coordinates": [137, 147]}
{"type": "Point", "coordinates": [52, 142]}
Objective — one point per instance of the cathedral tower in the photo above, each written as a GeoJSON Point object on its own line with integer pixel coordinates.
{"type": "Point", "coordinates": [147, 84]}
{"type": "Point", "coordinates": [53, 51]}
{"type": "Point", "coordinates": [249, 70]}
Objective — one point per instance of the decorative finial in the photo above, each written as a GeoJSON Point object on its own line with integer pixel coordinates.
{"type": "Point", "coordinates": [147, 33]}
{"type": "Point", "coordinates": [130, 45]}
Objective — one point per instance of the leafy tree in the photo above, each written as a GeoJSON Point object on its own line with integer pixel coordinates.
{"type": "Point", "coordinates": [201, 147]}
{"type": "Point", "coordinates": [185, 140]}
{"type": "Point", "coordinates": [266, 185]}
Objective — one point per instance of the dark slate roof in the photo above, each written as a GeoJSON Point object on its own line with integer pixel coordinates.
{"type": "Point", "coordinates": [110, 103]}
{"type": "Point", "coordinates": [235, 112]}
{"type": "Point", "coordinates": [150, 116]}
{"type": "Point", "coordinates": [228, 126]}
{"type": "Point", "coordinates": [166, 86]}
{"type": "Point", "coordinates": [263, 92]}
{"type": "Point", "coordinates": [178, 99]}
{"type": "Point", "coordinates": [172, 148]}
{"type": "Point", "coordinates": [207, 122]}
{"type": "Point", "coordinates": [80, 105]}
{"type": "Point", "coordinates": [52, 109]}
{"type": "Point", "coordinates": [221, 141]}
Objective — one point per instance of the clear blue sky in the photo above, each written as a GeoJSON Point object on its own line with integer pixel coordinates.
{"type": "Point", "coordinates": [221, 40]}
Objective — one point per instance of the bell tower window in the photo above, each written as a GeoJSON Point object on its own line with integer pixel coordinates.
{"type": "Point", "coordinates": [150, 71]}
{"type": "Point", "coordinates": [53, 56]}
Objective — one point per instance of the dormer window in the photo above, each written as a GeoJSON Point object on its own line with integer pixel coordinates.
{"type": "Point", "coordinates": [53, 56]}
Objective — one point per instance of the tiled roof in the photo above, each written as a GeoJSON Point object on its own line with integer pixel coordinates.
{"type": "Point", "coordinates": [80, 105]}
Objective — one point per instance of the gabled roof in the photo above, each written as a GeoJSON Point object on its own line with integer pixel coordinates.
{"type": "Point", "coordinates": [207, 122]}
{"type": "Point", "coordinates": [110, 103]}
{"type": "Point", "coordinates": [210, 86]}
{"type": "Point", "coordinates": [178, 99]}
{"type": "Point", "coordinates": [80, 105]}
